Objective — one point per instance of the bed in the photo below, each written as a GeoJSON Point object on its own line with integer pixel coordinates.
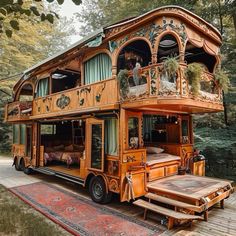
{"type": "Point", "coordinates": [158, 158]}
{"type": "Point", "coordinates": [66, 157]}
{"type": "Point", "coordinates": [161, 164]}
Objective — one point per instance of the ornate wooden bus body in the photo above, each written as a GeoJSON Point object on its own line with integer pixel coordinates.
{"type": "Point", "coordinates": [75, 118]}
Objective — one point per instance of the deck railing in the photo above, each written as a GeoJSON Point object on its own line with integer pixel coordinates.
{"type": "Point", "coordinates": [84, 98]}
{"type": "Point", "coordinates": [155, 82]}
{"type": "Point", "coordinates": [18, 111]}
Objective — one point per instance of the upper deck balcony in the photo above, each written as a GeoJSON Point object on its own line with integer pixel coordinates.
{"type": "Point", "coordinates": [156, 89]}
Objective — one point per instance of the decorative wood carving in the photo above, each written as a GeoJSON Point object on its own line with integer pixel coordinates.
{"type": "Point", "coordinates": [63, 101]}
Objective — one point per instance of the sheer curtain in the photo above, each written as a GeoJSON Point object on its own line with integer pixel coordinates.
{"type": "Point", "coordinates": [22, 134]}
{"type": "Point", "coordinates": [147, 127]}
{"type": "Point", "coordinates": [42, 88]}
{"type": "Point", "coordinates": [15, 133]}
{"type": "Point", "coordinates": [97, 68]}
{"type": "Point", "coordinates": [111, 136]}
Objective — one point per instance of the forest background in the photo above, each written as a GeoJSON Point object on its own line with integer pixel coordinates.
{"type": "Point", "coordinates": [30, 35]}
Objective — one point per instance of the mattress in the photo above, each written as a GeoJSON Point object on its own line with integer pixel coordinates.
{"type": "Point", "coordinates": [158, 158]}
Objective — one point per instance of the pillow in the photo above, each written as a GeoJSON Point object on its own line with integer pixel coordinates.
{"type": "Point", "coordinates": [154, 150]}
{"type": "Point", "coordinates": [79, 148]}
{"type": "Point", "coordinates": [59, 147]}
{"type": "Point", "coordinates": [69, 148]}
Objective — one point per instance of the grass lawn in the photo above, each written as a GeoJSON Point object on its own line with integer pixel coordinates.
{"type": "Point", "coordinates": [18, 218]}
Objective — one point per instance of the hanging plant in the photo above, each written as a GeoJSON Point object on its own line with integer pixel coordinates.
{"type": "Point", "coordinates": [222, 80]}
{"type": "Point", "coordinates": [171, 65]}
{"type": "Point", "coordinates": [193, 74]}
{"type": "Point", "coordinates": [123, 83]}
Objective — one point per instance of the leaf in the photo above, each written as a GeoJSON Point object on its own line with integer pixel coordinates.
{"type": "Point", "coordinates": [50, 18]}
{"type": "Point", "coordinates": [60, 2]}
{"type": "Point", "coordinates": [77, 2]}
{"type": "Point", "coordinates": [3, 11]}
{"type": "Point", "coordinates": [55, 14]}
{"type": "Point", "coordinates": [3, 3]}
{"type": "Point", "coordinates": [14, 24]}
{"type": "Point", "coordinates": [50, 1]}
{"type": "Point", "coordinates": [20, 2]}
{"type": "Point", "coordinates": [43, 17]}
{"type": "Point", "coordinates": [27, 12]}
{"type": "Point", "coordinates": [35, 10]}
{"type": "Point", "coordinates": [8, 33]}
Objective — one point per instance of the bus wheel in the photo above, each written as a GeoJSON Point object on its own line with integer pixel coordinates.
{"type": "Point", "coordinates": [25, 169]}
{"type": "Point", "coordinates": [97, 190]}
{"type": "Point", "coordinates": [17, 165]}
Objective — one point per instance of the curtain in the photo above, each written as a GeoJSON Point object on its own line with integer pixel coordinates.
{"type": "Point", "coordinates": [97, 68]}
{"type": "Point", "coordinates": [147, 127]}
{"type": "Point", "coordinates": [15, 134]}
{"type": "Point", "coordinates": [111, 136]}
{"type": "Point", "coordinates": [22, 134]}
{"type": "Point", "coordinates": [42, 88]}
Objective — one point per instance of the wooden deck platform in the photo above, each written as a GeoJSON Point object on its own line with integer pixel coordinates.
{"type": "Point", "coordinates": [188, 188]}
{"type": "Point", "coordinates": [220, 223]}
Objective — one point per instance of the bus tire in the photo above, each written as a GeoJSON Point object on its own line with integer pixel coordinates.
{"type": "Point", "coordinates": [17, 165]}
{"type": "Point", "coordinates": [26, 170]}
{"type": "Point", "coordinates": [97, 190]}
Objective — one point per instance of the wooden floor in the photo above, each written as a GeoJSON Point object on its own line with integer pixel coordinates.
{"type": "Point", "coordinates": [220, 223]}
{"type": "Point", "coordinates": [187, 186]}
{"type": "Point", "coordinates": [74, 171]}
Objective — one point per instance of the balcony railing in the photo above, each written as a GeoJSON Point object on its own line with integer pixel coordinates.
{"type": "Point", "coordinates": [85, 98]}
{"type": "Point", "coordinates": [155, 82]}
{"type": "Point", "coordinates": [18, 111]}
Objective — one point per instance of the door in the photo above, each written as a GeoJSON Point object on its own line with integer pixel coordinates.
{"type": "Point", "coordinates": [95, 144]}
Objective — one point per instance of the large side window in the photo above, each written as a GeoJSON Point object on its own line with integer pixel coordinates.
{"type": "Point", "coordinates": [111, 136]}
{"type": "Point", "coordinates": [42, 89]}
{"type": "Point", "coordinates": [97, 68]}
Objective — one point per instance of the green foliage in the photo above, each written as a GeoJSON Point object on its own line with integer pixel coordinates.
{"type": "Point", "coordinates": [34, 42]}
{"type": "Point", "coordinates": [171, 65]}
{"type": "Point", "coordinates": [193, 74]}
{"type": "Point", "coordinates": [11, 11]}
{"type": "Point", "coordinates": [97, 13]}
{"type": "Point", "coordinates": [123, 83]}
{"type": "Point", "coordinates": [222, 80]}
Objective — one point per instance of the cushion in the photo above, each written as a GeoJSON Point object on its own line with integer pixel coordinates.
{"type": "Point", "coordinates": [153, 150]}
{"type": "Point", "coordinates": [69, 148]}
{"type": "Point", "coordinates": [59, 147]}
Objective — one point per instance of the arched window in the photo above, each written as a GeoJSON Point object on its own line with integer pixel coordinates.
{"type": "Point", "coordinates": [196, 54]}
{"type": "Point", "coordinates": [97, 68]}
{"type": "Point", "coordinates": [26, 93]}
{"type": "Point", "coordinates": [136, 51]}
{"type": "Point", "coordinates": [168, 47]}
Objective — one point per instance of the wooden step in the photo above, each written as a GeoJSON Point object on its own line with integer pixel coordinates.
{"type": "Point", "coordinates": [167, 212]}
{"type": "Point", "coordinates": [176, 203]}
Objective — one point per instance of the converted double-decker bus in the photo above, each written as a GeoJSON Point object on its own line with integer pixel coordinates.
{"type": "Point", "coordinates": [113, 112]}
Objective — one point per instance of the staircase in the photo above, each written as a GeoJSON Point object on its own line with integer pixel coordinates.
{"type": "Point", "coordinates": [172, 215]}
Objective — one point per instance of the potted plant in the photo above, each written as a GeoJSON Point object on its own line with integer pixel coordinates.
{"type": "Point", "coordinates": [123, 83]}
{"type": "Point", "coordinates": [193, 74]}
{"type": "Point", "coordinates": [171, 65]}
{"type": "Point", "coordinates": [222, 80]}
